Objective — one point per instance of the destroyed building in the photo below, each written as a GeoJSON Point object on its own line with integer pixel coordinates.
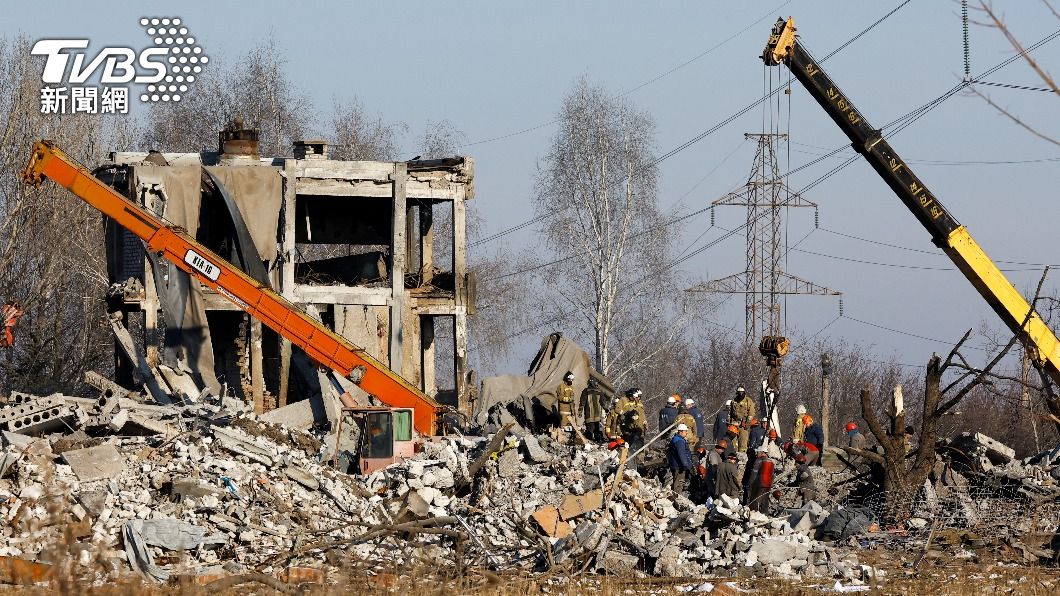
{"type": "Point", "coordinates": [375, 250]}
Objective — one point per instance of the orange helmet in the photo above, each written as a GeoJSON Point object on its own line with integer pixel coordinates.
{"type": "Point", "coordinates": [807, 420]}
{"type": "Point", "coordinates": [722, 444]}
{"type": "Point", "coordinates": [851, 426]}
{"type": "Point", "coordinates": [754, 421]}
{"type": "Point", "coordinates": [733, 428]}
{"type": "Point", "coordinates": [772, 433]}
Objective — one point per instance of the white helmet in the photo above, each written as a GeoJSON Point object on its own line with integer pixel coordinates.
{"type": "Point", "coordinates": [690, 402]}
{"type": "Point", "coordinates": [728, 402]}
{"type": "Point", "coordinates": [671, 400]}
{"type": "Point", "coordinates": [681, 427]}
{"type": "Point", "coordinates": [800, 410]}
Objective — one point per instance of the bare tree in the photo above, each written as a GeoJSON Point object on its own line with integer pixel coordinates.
{"type": "Point", "coordinates": [995, 21]}
{"type": "Point", "coordinates": [256, 88]}
{"type": "Point", "coordinates": [51, 243]}
{"type": "Point", "coordinates": [597, 185]}
{"type": "Point", "coordinates": [357, 135]}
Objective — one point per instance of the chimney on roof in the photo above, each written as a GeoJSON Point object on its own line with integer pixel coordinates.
{"type": "Point", "coordinates": [311, 149]}
{"type": "Point", "coordinates": [237, 142]}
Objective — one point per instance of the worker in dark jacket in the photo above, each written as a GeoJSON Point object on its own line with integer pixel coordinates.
{"type": "Point", "coordinates": [721, 421]}
{"type": "Point", "coordinates": [728, 482]}
{"type": "Point", "coordinates": [668, 414]}
{"type": "Point", "coordinates": [814, 436]}
{"type": "Point", "coordinates": [592, 409]}
{"type": "Point", "coordinates": [693, 409]}
{"type": "Point", "coordinates": [756, 437]}
{"type": "Point", "coordinates": [680, 458]}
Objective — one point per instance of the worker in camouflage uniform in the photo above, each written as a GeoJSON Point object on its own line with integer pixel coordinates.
{"type": "Point", "coordinates": [592, 409]}
{"type": "Point", "coordinates": [741, 413]}
{"type": "Point", "coordinates": [611, 424]}
{"type": "Point", "coordinates": [685, 417]}
{"type": "Point", "coordinates": [631, 420]}
{"type": "Point", "coordinates": [565, 404]}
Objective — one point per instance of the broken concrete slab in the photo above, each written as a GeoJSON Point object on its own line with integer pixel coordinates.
{"type": "Point", "coordinates": [575, 505]}
{"type": "Point", "coordinates": [548, 518]}
{"type": "Point", "coordinates": [95, 463]}
{"type": "Point", "coordinates": [774, 552]}
{"type": "Point", "coordinates": [615, 562]}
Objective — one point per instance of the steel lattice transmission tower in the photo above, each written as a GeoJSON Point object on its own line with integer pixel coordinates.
{"type": "Point", "coordinates": [764, 281]}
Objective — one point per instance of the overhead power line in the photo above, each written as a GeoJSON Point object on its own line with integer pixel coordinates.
{"type": "Point", "coordinates": [696, 139]}
{"type": "Point", "coordinates": [644, 84]}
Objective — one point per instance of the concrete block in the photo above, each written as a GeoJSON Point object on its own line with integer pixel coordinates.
{"type": "Point", "coordinates": [775, 552]}
{"type": "Point", "coordinates": [508, 463]}
{"type": "Point", "coordinates": [619, 563]}
{"type": "Point", "coordinates": [534, 451]}
{"type": "Point", "coordinates": [95, 463]}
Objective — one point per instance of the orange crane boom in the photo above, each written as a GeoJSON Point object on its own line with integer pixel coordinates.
{"type": "Point", "coordinates": [175, 245]}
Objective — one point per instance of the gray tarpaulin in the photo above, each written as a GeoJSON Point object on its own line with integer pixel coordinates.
{"type": "Point", "coordinates": [258, 191]}
{"type": "Point", "coordinates": [535, 394]}
{"type": "Point", "coordinates": [173, 193]}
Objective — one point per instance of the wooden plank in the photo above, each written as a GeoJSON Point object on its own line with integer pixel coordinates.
{"type": "Point", "coordinates": [575, 505]}
{"type": "Point", "coordinates": [397, 268]}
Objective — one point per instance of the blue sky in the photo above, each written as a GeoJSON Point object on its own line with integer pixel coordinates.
{"type": "Point", "coordinates": [494, 68]}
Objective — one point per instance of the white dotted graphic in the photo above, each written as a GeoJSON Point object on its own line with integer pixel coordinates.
{"type": "Point", "coordinates": [184, 58]}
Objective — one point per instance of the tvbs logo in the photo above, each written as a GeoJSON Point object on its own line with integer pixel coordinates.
{"type": "Point", "coordinates": [166, 70]}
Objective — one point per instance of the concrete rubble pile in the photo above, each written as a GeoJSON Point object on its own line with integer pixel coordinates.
{"type": "Point", "coordinates": [538, 503]}
{"type": "Point", "coordinates": [204, 490]}
{"type": "Point", "coordinates": [224, 494]}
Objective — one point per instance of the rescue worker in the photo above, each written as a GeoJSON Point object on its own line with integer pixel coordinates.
{"type": "Point", "coordinates": [761, 482]}
{"type": "Point", "coordinates": [798, 430]}
{"type": "Point", "coordinates": [757, 436]}
{"type": "Point", "coordinates": [679, 457]}
{"type": "Point", "coordinates": [721, 421]}
{"type": "Point", "coordinates": [685, 417]}
{"type": "Point", "coordinates": [668, 414]}
{"type": "Point", "coordinates": [700, 488]}
{"type": "Point", "coordinates": [804, 481]}
{"type": "Point", "coordinates": [854, 437]}
{"type": "Point", "coordinates": [741, 412]}
{"type": "Point", "coordinates": [693, 409]}
{"type": "Point", "coordinates": [772, 444]}
{"type": "Point", "coordinates": [732, 438]}
{"type": "Point", "coordinates": [592, 409]}
{"type": "Point", "coordinates": [728, 482]}
{"type": "Point", "coordinates": [565, 399]}
{"type": "Point", "coordinates": [632, 422]}
{"type": "Point", "coordinates": [726, 446]}
{"type": "Point", "coordinates": [813, 436]}
{"type": "Point", "coordinates": [611, 426]}
{"type": "Point", "coordinates": [714, 457]}
{"type": "Point", "coordinates": [10, 313]}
